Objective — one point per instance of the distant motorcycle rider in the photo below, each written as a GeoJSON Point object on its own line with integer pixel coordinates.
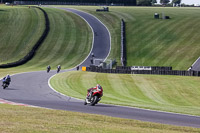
{"type": "Point", "coordinates": [48, 68]}
{"type": "Point", "coordinates": [58, 68]}
{"type": "Point", "coordinates": [7, 80]}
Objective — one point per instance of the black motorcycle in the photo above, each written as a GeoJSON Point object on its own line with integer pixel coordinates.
{"type": "Point", "coordinates": [48, 70]}
{"type": "Point", "coordinates": [5, 85]}
{"type": "Point", "coordinates": [58, 70]}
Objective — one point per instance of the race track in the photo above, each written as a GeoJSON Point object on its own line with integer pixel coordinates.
{"type": "Point", "coordinates": [32, 88]}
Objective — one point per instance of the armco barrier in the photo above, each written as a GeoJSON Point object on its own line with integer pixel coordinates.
{"type": "Point", "coordinates": [158, 71]}
{"type": "Point", "coordinates": [30, 55]}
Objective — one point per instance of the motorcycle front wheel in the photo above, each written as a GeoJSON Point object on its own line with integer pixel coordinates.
{"type": "Point", "coordinates": [94, 100]}
{"type": "Point", "coordinates": [4, 86]}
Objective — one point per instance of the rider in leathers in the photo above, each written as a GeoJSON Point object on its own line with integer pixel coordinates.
{"type": "Point", "coordinates": [93, 88]}
{"type": "Point", "coordinates": [7, 79]}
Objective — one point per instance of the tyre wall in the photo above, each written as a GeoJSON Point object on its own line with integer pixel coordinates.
{"type": "Point", "coordinates": [154, 71]}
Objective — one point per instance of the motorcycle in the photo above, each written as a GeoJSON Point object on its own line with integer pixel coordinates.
{"type": "Point", "coordinates": [93, 97]}
{"type": "Point", "coordinates": [5, 85]}
{"type": "Point", "coordinates": [48, 68]}
{"type": "Point", "coordinates": [58, 70]}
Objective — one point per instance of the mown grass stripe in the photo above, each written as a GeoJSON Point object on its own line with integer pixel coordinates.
{"type": "Point", "coordinates": [168, 93]}
{"type": "Point", "coordinates": [23, 23]}
{"type": "Point", "coordinates": [68, 43]}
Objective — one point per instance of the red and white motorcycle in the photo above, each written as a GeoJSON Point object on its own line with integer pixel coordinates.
{"type": "Point", "coordinates": [94, 96]}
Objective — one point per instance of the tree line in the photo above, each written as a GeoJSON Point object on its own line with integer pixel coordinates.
{"type": "Point", "coordinates": [122, 2]}
{"type": "Point", "coordinates": [152, 2]}
{"type": "Point", "coordinates": [109, 2]}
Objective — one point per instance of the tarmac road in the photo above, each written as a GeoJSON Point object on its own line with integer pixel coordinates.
{"type": "Point", "coordinates": [32, 88]}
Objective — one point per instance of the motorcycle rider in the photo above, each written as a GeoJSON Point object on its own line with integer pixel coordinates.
{"type": "Point", "coordinates": [90, 90]}
{"type": "Point", "coordinates": [48, 68]}
{"type": "Point", "coordinates": [58, 68]}
{"type": "Point", "coordinates": [7, 79]}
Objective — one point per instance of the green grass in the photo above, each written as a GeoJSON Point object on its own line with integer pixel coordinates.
{"type": "Point", "coordinates": [20, 29]}
{"type": "Point", "coordinates": [167, 93]}
{"type": "Point", "coordinates": [16, 119]}
{"type": "Point", "coordinates": [152, 42]}
{"type": "Point", "coordinates": [69, 32]}
{"type": "Point", "coordinates": [67, 44]}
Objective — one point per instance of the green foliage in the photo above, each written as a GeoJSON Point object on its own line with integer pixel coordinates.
{"type": "Point", "coordinates": [154, 1]}
{"type": "Point", "coordinates": [144, 2]}
{"type": "Point", "coordinates": [164, 2]}
{"type": "Point", "coordinates": [176, 2]}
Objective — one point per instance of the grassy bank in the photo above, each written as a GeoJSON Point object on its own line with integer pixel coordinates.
{"type": "Point", "coordinates": [167, 93]}
{"type": "Point", "coordinates": [153, 42]}
{"type": "Point", "coordinates": [16, 119]}
{"type": "Point", "coordinates": [67, 44]}
{"type": "Point", "coordinates": [20, 29]}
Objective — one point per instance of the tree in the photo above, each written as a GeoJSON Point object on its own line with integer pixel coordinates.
{"type": "Point", "coordinates": [153, 2]}
{"type": "Point", "coordinates": [144, 2]}
{"type": "Point", "coordinates": [164, 2]}
{"type": "Point", "coordinates": [176, 2]}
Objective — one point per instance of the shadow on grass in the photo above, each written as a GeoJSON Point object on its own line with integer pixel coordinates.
{"type": "Point", "coordinates": [1, 10]}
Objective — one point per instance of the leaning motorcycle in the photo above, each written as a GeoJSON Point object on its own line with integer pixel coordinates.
{"type": "Point", "coordinates": [58, 70]}
{"type": "Point", "coordinates": [94, 96]}
{"type": "Point", "coordinates": [5, 85]}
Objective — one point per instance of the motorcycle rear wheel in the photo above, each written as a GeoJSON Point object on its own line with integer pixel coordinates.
{"type": "Point", "coordinates": [85, 103]}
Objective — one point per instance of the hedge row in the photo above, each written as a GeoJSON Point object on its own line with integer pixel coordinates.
{"type": "Point", "coordinates": [31, 54]}
{"type": "Point", "coordinates": [123, 43]}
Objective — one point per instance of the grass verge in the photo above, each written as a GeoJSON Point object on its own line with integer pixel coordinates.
{"type": "Point", "coordinates": [167, 93]}
{"type": "Point", "coordinates": [17, 119]}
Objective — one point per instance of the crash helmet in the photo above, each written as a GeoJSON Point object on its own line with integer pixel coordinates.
{"type": "Point", "coordinates": [99, 86]}
{"type": "Point", "coordinates": [7, 76]}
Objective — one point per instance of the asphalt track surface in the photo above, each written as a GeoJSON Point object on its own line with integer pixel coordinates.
{"type": "Point", "coordinates": [196, 65]}
{"type": "Point", "coordinates": [32, 88]}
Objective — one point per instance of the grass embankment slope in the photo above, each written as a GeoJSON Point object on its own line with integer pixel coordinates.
{"type": "Point", "coordinates": [15, 119]}
{"type": "Point", "coordinates": [166, 93]}
{"type": "Point", "coordinates": [153, 42]}
{"type": "Point", "coordinates": [67, 44]}
{"type": "Point", "coordinates": [20, 28]}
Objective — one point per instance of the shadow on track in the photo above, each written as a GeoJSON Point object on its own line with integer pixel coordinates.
{"type": "Point", "coordinates": [103, 105]}
{"type": "Point", "coordinates": [11, 89]}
